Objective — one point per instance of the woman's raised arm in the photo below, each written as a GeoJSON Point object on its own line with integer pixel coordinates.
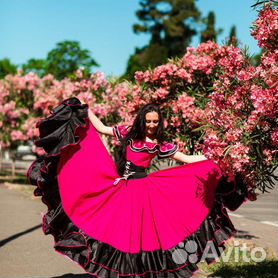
{"type": "Point", "coordinates": [179, 156]}
{"type": "Point", "coordinates": [97, 123]}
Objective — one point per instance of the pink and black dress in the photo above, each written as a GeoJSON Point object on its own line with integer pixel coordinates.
{"type": "Point", "coordinates": [137, 225]}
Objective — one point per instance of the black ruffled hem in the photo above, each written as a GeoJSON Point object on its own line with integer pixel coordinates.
{"type": "Point", "coordinates": [63, 130]}
{"type": "Point", "coordinates": [102, 260]}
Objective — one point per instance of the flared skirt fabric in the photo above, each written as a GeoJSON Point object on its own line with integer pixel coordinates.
{"type": "Point", "coordinates": [158, 226]}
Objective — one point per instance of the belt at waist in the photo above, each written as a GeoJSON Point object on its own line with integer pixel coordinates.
{"type": "Point", "coordinates": [132, 171]}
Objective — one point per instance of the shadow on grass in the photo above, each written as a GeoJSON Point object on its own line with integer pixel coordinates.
{"type": "Point", "coordinates": [265, 269]}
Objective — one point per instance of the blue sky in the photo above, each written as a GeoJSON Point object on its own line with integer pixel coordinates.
{"type": "Point", "coordinates": [31, 28]}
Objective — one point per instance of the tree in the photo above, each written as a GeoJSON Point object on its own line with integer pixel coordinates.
{"type": "Point", "coordinates": [66, 58]}
{"type": "Point", "coordinates": [62, 61]}
{"type": "Point", "coordinates": [37, 66]}
{"type": "Point", "coordinates": [150, 56]}
{"type": "Point", "coordinates": [210, 34]}
{"type": "Point", "coordinates": [169, 22]}
{"type": "Point", "coordinates": [6, 67]}
{"type": "Point", "coordinates": [232, 37]}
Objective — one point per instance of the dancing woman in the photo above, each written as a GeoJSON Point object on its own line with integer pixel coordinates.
{"type": "Point", "coordinates": [113, 217]}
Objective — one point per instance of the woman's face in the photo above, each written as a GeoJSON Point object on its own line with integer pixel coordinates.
{"type": "Point", "coordinates": [152, 119]}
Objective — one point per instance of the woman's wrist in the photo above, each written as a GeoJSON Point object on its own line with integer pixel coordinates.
{"type": "Point", "coordinates": [199, 157]}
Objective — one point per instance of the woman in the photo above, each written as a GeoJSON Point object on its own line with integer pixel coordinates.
{"type": "Point", "coordinates": [115, 219]}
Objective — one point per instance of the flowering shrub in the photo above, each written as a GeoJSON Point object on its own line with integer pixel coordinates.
{"type": "Point", "coordinates": [214, 101]}
{"type": "Point", "coordinates": [265, 27]}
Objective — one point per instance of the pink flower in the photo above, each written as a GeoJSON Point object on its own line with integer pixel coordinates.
{"type": "Point", "coordinates": [246, 74]}
{"type": "Point", "coordinates": [264, 101]}
{"type": "Point", "coordinates": [194, 62]}
{"type": "Point", "coordinates": [183, 74]}
{"type": "Point", "coordinates": [214, 147]}
{"type": "Point", "coordinates": [160, 93]}
{"type": "Point", "coordinates": [274, 137]}
{"type": "Point", "coordinates": [176, 121]}
{"type": "Point", "coordinates": [79, 72]}
{"type": "Point", "coordinates": [164, 71]}
{"type": "Point", "coordinates": [252, 121]}
{"type": "Point", "coordinates": [30, 129]}
{"type": "Point", "coordinates": [4, 144]}
{"type": "Point", "coordinates": [209, 48]}
{"type": "Point", "coordinates": [38, 150]}
{"type": "Point", "coordinates": [17, 135]}
{"type": "Point", "coordinates": [239, 156]}
{"type": "Point", "coordinates": [234, 135]}
{"type": "Point", "coordinates": [231, 61]}
{"type": "Point", "coordinates": [268, 69]}
{"type": "Point", "coordinates": [139, 76]}
{"type": "Point", "coordinates": [265, 29]}
{"type": "Point", "coordinates": [268, 156]}
{"type": "Point", "coordinates": [181, 145]}
{"type": "Point", "coordinates": [97, 81]}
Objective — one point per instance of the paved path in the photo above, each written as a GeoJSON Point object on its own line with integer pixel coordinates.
{"type": "Point", "coordinates": [26, 252]}
{"type": "Point", "coordinates": [257, 220]}
{"type": "Point", "coordinates": [252, 215]}
{"type": "Point", "coordinates": [264, 209]}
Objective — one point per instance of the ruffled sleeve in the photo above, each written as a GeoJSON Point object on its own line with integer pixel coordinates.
{"type": "Point", "coordinates": [166, 150]}
{"type": "Point", "coordinates": [120, 131]}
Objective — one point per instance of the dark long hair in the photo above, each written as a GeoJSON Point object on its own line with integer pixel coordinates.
{"type": "Point", "coordinates": [138, 132]}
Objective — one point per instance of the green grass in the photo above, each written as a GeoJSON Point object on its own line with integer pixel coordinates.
{"type": "Point", "coordinates": [266, 269]}
{"type": "Point", "coordinates": [18, 178]}
{"type": "Point", "coordinates": [18, 182]}
{"type": "Point", "coordinates": [237, 267]}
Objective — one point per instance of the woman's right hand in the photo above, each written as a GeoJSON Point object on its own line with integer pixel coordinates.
{"type": "Point", "coordinates": [82, 101]}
